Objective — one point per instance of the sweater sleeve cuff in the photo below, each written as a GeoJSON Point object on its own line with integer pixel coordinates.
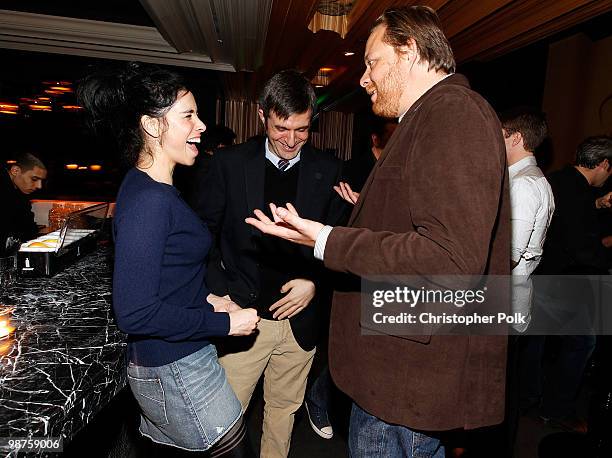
{"type": "Point", "coordinates": [319, 248]}
{"type": "Point", "coordinates": [218, 323]}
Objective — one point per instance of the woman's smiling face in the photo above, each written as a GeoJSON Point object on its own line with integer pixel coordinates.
{"type": "Point", "coordinates": [182, 131]}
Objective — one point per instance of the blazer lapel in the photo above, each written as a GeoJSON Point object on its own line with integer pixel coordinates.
{"type": "Point", "coordinates": [366, 186]}
{"type": "Point", "coordinates": [308, 183]}
{"type": "Point", "coordinates": [389, 146]}
{"type": "Point", "coordinates": [254, 170]}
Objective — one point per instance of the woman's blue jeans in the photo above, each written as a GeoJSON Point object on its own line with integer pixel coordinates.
{"type": "Point", "coordinates": [187, 403]}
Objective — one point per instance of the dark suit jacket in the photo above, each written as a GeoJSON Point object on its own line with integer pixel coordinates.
{"type": "Point", "coordinates": [356, 170]}
{"type": "Point", "coordinates": [18, 218]}
{"type": "Point", "coordinates": [436, 203]}
{"type": "Point", "coordinates": [233, 188]}
{"type": "Point", "coordinates": [573, 242]}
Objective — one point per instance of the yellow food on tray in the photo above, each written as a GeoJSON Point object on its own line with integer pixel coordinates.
{"type": "Point", "coordinates": [50, 241]}
{"type": "Point", "coordinates": [38, 245]}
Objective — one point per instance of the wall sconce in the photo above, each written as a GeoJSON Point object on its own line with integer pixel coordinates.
{"type": "Point", "coordinates": [72, 107]}
{"type": "Point", "coordinates": [323, 77]}
{"type": "Point", "coordinates": [8, 108]}
{"type": "Point", "coordinates": [39, 107]}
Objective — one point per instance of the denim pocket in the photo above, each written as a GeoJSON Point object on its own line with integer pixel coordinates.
{"type": "Point", "coordinates": [424, 446]}
{"type": "Point", "coordinates": [149, 394]}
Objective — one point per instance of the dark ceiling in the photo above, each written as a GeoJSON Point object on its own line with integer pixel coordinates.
{"type": "Point", "coordinates": [122, 11]}
{"type": "Point", "coordinates": [290, 44]}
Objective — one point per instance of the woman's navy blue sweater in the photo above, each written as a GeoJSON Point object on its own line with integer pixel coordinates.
{"type": "Point", "coordinates": [159, 295]}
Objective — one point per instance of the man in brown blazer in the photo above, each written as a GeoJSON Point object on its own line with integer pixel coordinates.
{"type": "Point", "coordinates": [436, 203]}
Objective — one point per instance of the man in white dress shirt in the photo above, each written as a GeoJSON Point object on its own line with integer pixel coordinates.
{"type": "Point", "coordinates": [532, 202]}
{"type": "Point", "coordinates": [532, 207]}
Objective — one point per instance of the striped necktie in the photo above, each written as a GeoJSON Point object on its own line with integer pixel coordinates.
{"type": "Point", "coordinates": [283, 164]}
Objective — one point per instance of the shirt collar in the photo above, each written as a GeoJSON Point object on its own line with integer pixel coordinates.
{"type": "Point", "coordinates": [275, 159]}
{"type": "Point", "coordinates": [404, 113]}
{"type": "Point", "coordinates": [520, 165]}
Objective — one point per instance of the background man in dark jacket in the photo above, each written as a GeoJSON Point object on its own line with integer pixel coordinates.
{"type": "Point", "coordinates": [573, 247]}
{"type": "Point", "coordinates": [20, 180]}
{"type": "Point", "coordinates": [357, 170]}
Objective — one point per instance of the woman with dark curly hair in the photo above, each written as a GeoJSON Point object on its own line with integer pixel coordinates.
{"type": "Point", "coordinates": [159, 295]}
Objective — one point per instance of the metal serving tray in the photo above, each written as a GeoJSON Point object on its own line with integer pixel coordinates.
{"type": "Point", "coordinates": [50, 253]}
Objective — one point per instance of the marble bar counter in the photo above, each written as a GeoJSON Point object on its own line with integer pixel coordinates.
{"type": "Point", "coordinates": [65, 359]}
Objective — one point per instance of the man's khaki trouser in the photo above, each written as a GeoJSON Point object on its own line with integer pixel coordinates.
{"type": "Point", "coordinates": [285, 366]}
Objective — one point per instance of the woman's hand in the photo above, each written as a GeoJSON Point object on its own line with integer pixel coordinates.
{"type": "Point", "coordinates": [222, 304]}
{"type": "Point", "coordinates": [243, 322]}
{"type": "Point", "coordinates": [300, 293]}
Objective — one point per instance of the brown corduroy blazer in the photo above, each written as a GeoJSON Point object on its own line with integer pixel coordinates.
{"type": "Point", "coordinates": [436, 203]}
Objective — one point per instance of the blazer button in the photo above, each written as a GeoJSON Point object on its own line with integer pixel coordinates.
{"type": "Point", "coordinates": [253, 295]}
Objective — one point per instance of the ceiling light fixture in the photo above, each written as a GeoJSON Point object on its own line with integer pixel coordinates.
{"type": "Point", "coordinates": [332, 15]}
{"type": "Point", "coordinates": [9, 108]}
{"type": "Point", "coordinates": [62, 89]}
{"type": "Point", "coordinates": [57, 83]}
{"type": "Point", "coordinates": [36, 107]}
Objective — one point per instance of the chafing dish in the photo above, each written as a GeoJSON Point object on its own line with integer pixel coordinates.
{"type": "Point", "coordinates": [50, 253]}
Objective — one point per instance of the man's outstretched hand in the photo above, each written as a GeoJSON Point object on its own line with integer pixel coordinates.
{"type": "Point", "coordinates": [345, 191]}
{"type": "Point", "coordinates": [287, 225]}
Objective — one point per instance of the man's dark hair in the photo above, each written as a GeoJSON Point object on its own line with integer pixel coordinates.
{"type": "Point", "coordinates": [27, 161]}
{"type": "Point", "coordinates": [529, 122]}
{"type": "Point", "coordinates": [422, 24]}
{"type": "Point", "coordinates": [593, 150]}
{"type": "Point", "coordinates": [217, 135]}
{"type": "Point", "coordinates": [287, 93]}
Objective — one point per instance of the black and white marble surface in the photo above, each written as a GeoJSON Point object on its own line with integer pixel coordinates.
{"type": "Point", "coordinates": [66, 358]}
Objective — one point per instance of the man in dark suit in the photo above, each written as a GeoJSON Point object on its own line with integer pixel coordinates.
{"type": "Point", "coordinates": [573, 248]}
{"type": "Point", "coordinates": [436, 203]}
{"type": "Point", "coordinates": [357, 169]}
{"type": "Point", "coordinates": [23, 177]}
{"type": "Point", "coordinates": [274, 276]}
{"type": "Point", "coordinates": [189, 180]}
